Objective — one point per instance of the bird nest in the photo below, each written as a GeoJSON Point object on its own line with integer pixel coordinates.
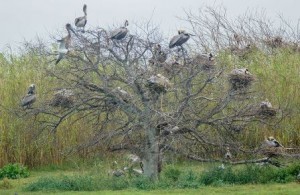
{"type": "Point", "coordinates": [158, 83]}
{"type": "Point", "coordinates": [266, 109]}
{"type": "Point", "coordinates": [240, 78]}
{"type": "Point", "coordinates": [272, 151]}
{"type": "Point", "coordinates": [207, 62]}
{"type": "Point", "coordinates": [64, 98]}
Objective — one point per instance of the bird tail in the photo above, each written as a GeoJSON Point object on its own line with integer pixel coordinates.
{"type": "Point", "coordinates": [57, 61]}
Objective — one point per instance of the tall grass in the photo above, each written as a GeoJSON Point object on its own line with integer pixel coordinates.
{"type": "Point", "coordinates": [21, 140]}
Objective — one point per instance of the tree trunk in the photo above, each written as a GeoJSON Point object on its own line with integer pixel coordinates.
{"type": "Point", "coordinates": [151, 159]}
{"type": "Point", "coordinates": [151, 148]}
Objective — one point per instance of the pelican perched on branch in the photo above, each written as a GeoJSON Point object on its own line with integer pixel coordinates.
{"type": "Point", "coordinates": [180, 39]}
{"type": "Point", "coordinates": [80, 22]}
{"type": "Point", "coordinates": [64, 44]}
{"type": "Point", "coordinates": [30, 98]}
{"type": "Point", "coordinates": [121, 32]}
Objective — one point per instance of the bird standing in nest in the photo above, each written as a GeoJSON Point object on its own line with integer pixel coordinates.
{"type": "Point", "coordinates": [272, 142]}
{"type": "Point", "coordinates": [30, 98]}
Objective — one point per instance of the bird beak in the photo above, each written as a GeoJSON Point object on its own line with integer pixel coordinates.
{"type": "Point", "coordinates": [191, 34]}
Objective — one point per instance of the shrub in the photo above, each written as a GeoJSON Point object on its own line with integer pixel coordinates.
{"type": "Point", "coordinates": [189, 180]}
{"type": "Point", "coordinates": [143, 183]}
{"type": "Point", "coordinates": [14, 171]}
{"type": "Point", "coordinates": [172, 173]}
{"type": "Point", "coordinates": [64, 183]}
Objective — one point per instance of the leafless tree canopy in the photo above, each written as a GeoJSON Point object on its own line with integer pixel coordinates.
{"type": "Point", "coordinates": [136, 102]}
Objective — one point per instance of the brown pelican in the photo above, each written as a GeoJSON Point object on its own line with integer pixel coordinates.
{"type": "Point", "coordinates": [265, 105]}
{"type": "Point", "coordinates": [80, 22]}
{"type": "Point", "coordinates": [30, 98]}
{"type": "Point", "coordinates": [272, 142]}
{"type": "Point", "coordinates": [228, 154]}
{"type": "Point", "coordinates": [180, 39]}
{"type": "Point", "coordinates": [241, 71]}
{"type": "Point", "coordinates": [120, 33]}
{"type": "Point", "coordinates": [64, 44]}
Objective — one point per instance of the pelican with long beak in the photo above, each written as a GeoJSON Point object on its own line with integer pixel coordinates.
{"type": "Point", "coordinates": [180, 39]}
{"type": "Point", "coordinates": [29, 98]}
{"type": "Point", "coordinates": [80, 22]}
{"type": "Point", "coordinates": [121, 32]}
{"type": "Point", "coordinates": [64, 44]}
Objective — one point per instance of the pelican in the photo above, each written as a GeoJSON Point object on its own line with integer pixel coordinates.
{"type": "Point", "coordinates": [180, 39]}
{"type": "Point", "coordinates": [265, 105]}
{"type": "Point", "coordinates": [272, 142]}
{"type": "Point", "coordinates": [241, 71]}
{"type": "Point", "coordinates": [64, 44]}
{"type": "Point", "coordinates": [121, 32]}
{"type": "Point", "coordinates": [228, 154]}
{"type": "Point", "coordinates": [80, 22]}
{"type": "Point", "coordinates": [30, 98]}
{"type": "Point", "coordinates": [158, 54]}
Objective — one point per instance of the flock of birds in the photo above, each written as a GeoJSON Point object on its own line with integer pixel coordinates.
{"type": "Point", "coordinates": [119, 34]}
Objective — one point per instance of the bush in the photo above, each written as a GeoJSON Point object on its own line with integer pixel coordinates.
{"type": "Point", "coordinates": [64, 183]}
{"type": "Point", "coordinates": [172, 173]}
{"type": "Point", "coordinates": [189, 180]}
{"type": "Point", "coordinates": [14, 171]}
{"type": "Point", "coordinates": [143, 183]}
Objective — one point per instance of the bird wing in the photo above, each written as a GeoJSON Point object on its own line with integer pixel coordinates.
{"type": "Point", "coordinates": [62, 44]}
{"type": "Point", "coordinates": [80, 21]}
{"type": "Point", "coordinates": [174, 41]}
{"type": "Point", "coordinates": [28, 99]}
{"type": "Point", "coordinates": [119, 33]}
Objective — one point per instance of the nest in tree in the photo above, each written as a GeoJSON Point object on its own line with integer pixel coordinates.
{"type": "Point", "coordinates": [64, 98]}
{"type": "Point", "coordinates": [272, 151]}
{"type": "Point", "coordinates": [266, 109]}
{"type": "Point", "coordinates": [207, 62]}
{"type": "Point", "coordinates": [158, 83]}
{"type": "Point", "coordinates": [240, 78]}
{"type": "Point", "coordinates": [274, 42]}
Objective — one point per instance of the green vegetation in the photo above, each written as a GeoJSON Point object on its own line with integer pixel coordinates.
{"type": "Point", "coordinates": [13, 171]}
{"type": "Point", "coordinates": [172, 178]}
{"type": "Point", "coordinates": [192, 178]}
{"type": "Point", "coordinates": [277, 76]}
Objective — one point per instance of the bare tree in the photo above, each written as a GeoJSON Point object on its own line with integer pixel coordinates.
{"type": "Point", "coordinates": [136, 102]}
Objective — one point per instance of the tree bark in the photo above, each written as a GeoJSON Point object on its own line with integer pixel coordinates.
{"type": "Point", "coordinates": [151, 152]}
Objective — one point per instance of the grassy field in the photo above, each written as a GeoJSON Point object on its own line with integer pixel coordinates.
{"type": "Point", "coordinates": [289, 188]}
{"type": "Point", "coordinates": [99, 170]}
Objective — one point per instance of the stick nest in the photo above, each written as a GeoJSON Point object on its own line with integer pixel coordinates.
{"type": "Point", "coordinates": [64, 98]}
{"type": "Point", "coordinates": [240, 78]}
